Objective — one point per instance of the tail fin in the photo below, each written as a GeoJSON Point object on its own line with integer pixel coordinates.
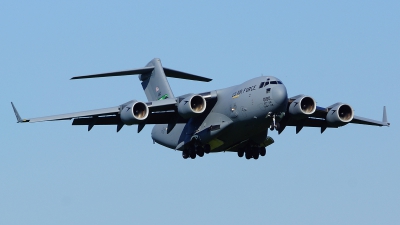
{"type": "Point", "coordinates": [153, 77]}
{"type": "Point", "coordinates": [155, 83]}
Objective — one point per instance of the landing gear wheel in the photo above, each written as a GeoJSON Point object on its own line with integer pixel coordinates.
{"type": "Point", "coordinates": [240, 153]}
{"type": "Point", "coordinates": [207, 148]}
{"type": "Point", "coordinates": [256, 152]}
{"type": "Point", "coordinates": [271, 128]}
{"type": "Point", "coordinates": [263, 151]}
{"type": "Point", "coordinates": [193, 154]}
{"type": "Point", "coordinates": [248, 155]}
{"type": "Point", "coordinates": [185, 154]}
{"type": "Point", "coordinates": [200, 151]}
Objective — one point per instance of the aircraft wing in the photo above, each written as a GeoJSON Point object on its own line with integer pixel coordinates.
{"type": "Point", "coordinates": [317, 119]}
{"type": "Point", "coordinates": [160, 112]}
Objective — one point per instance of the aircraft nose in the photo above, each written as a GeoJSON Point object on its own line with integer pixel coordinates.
{"type": "Point", "coordinates": [279, 95]}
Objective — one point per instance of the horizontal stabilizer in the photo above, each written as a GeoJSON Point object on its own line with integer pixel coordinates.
{"type": "Point", "coordinates": [168, 73]}
{"type": "Point", "coordinates": [183, 75]}
{"type": "Point", "coordinates": [118, 73]}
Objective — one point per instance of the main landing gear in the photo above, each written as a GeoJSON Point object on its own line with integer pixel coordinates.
{"type": "Point", "coordinates": [252, 152]}
{"type": "Point", "coordinates": [194, 150]}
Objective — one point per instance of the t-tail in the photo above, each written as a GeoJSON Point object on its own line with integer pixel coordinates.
{"type": "Point", "coordinates": [153, 77]}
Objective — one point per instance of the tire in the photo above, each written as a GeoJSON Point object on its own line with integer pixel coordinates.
{"type": "Point", "coordinates": [248, 155]}
{"type": "Point", "coordinates": [263, 151]}
{"type": "Point", "coordinates": [200, 151]}
{"type": "Point", "coordinates": [207, 148]}
{"type": "Point", "coordinates": [185, 154]}
{"type": "Point", "coordinates": [240, 153]}
{"type": "Point", "coordinates": [256, 152]}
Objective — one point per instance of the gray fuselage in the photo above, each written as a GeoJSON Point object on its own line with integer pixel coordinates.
{"type": "Point", "coordinates": [240, 113]}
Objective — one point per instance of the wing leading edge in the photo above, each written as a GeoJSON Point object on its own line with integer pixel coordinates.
{"type": "Point", "coordinates": [317, 119]}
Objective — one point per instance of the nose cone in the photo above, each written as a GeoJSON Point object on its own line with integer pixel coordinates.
{"type": "Point", "coordinates": [279, 95]}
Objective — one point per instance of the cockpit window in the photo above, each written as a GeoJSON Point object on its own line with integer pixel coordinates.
{"type": "Point", "coordinates": [273, 82]}
{"type": "Point", "coordinates": [266, 83]}
{"type": "Point", "coordinates": [261, 85]}
{"type": "Point", "coordinates": [279, 82]}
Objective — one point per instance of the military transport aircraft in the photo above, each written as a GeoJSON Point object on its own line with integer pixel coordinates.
{"type": "Point", "coordinates": [235, 119]}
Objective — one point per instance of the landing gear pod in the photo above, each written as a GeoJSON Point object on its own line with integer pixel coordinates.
{"type": "Point", "coordinates": [134, 111]}
{"type": "Point", "coordinates": [192, 106]}
{"type": "Point", "coordinates": [340, 114]}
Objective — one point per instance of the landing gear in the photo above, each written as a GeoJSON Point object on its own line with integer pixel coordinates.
{"type": "Point", "coordinates": [274, 125]}
{"type": "Point", "coordinates": [195, 149]}
{"type": "Point", "coordinates": [192, 154]}
{"type": "Point", "coordinates": [207, 148]}
{"type": "Point", "coordinates": [252, 152]}
{"type": "Point", "coordinates": [263, 151]}
{"type": "Point", "coordinates": [256, 152]}
{"type": "Point", "coordinates": [248, 154]}
{"type": "Point", "coordinates": [241, 152]}
{"type": "Point", "coordinates": [200, 151]}
{"type": "Point", "coordinates": [185, 154]}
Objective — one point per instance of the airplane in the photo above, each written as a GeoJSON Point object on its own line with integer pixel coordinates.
{"type": "Point", "coordinates": [233, 119]}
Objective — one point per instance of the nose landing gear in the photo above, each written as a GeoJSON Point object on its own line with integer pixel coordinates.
{"type": "Point", "coordinates": [274, 125]}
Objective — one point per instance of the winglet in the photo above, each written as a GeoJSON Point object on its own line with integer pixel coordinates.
{"type": "Point", "coordinates": [17, 115]}
{"type": "Point", "coordinates": [384, 118]}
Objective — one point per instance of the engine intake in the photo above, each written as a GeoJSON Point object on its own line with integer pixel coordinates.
{"type": "Point", "coordinates": [339, 115]}
{"type": "Point", "coordinates": [134, 111]}
{"type": "Point", "coordinates": [192, 106]}
{"type": "Point", "coordinates": [302, 106]}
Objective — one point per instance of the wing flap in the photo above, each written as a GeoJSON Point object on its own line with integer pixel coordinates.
{"type": "Point", "coordinates": [154, 118]}
{"type": "Point", "coordinates": [106, 120]}
{"type": "Point", "coordinates": [68, 116]}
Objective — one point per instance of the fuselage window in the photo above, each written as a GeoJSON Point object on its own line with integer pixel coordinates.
{"type": "Point", "coordinates": [261, 85]}
{"type": "Point", "coordinates": [268, 90]}
{"type": "Point", "coordinates": [279, 82]}
{"type": "Point", "coordinates": [273, 82]}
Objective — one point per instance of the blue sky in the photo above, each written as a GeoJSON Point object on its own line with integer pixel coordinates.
{"type": "Point", "coordinates": [54, 173]}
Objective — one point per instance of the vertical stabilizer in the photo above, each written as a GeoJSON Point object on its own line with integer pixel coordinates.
{"type": "Point", "coordinates": [155, 83]}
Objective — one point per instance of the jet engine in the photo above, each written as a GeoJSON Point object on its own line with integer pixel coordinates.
{"type": "Point", "coordinates": [302, 106]}
{"type": "Point", "coordinates": [339, 115]}
{"type": "Point", "coordinates": [134, 111]}
{"type": "Point", "coordinates": [192, 106]}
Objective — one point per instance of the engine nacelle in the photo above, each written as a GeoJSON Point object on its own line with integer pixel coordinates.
{"type": "Point", "coordinates": [340, 114]}
{"type": "Point", "coordinates": [302, 106]}
{"type": "Point", "coordinates": [192, 106]}
{"type": "Point", "coordinates": [134, 111]}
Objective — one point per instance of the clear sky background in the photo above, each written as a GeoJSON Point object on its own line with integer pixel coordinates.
{"type": "Point", "coordinates": [334, 51]}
